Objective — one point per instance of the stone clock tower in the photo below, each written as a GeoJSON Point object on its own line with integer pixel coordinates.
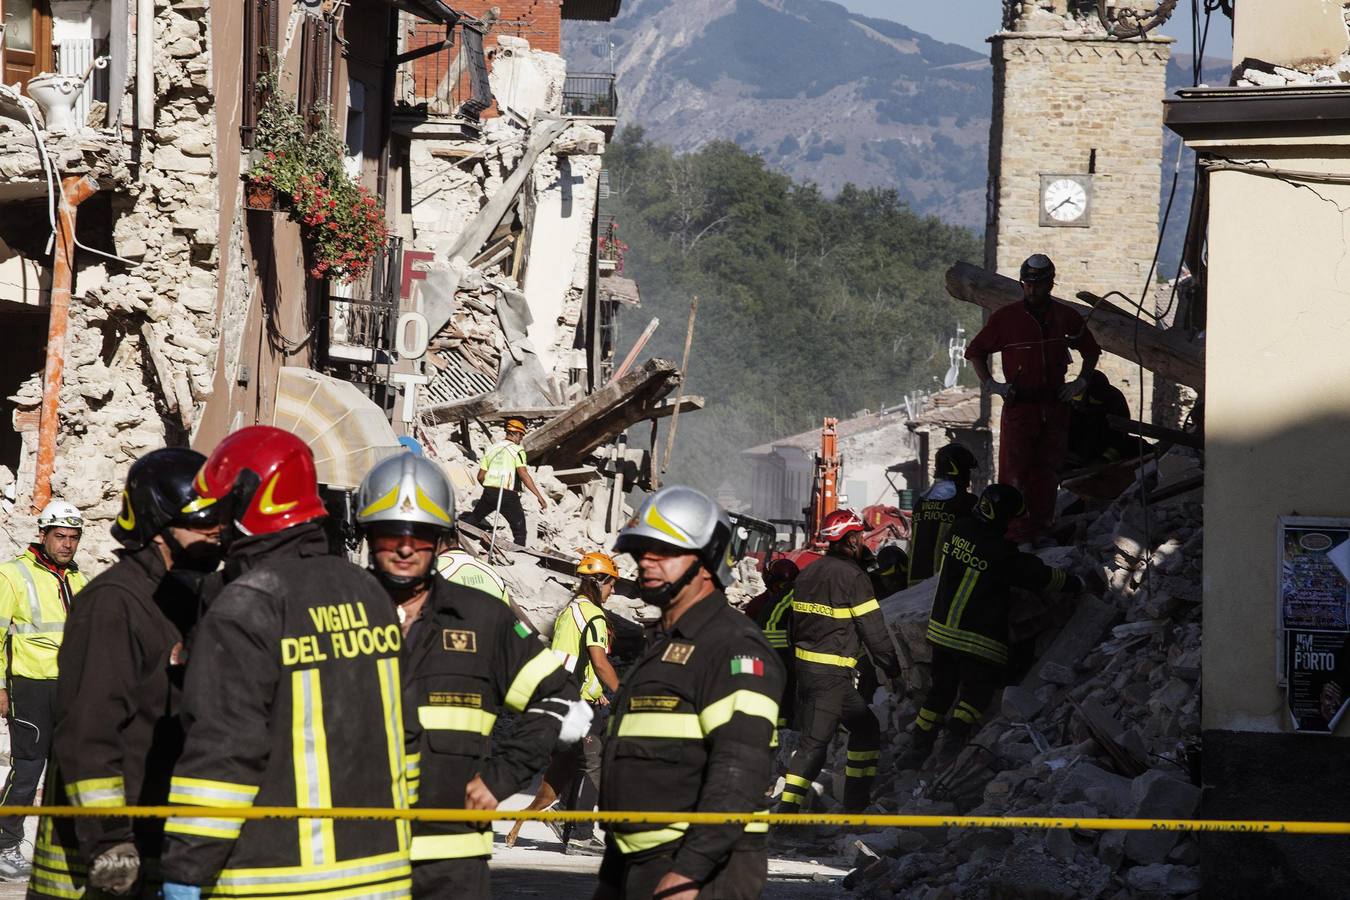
{"type": "Point", "coordinates": [1075, 157]}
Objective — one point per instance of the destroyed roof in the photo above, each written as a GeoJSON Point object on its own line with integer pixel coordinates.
{"type": "Point", "coordinates": [847, 428]}
{"type": "Point", "coordinates": [621, 290]}
{"type": "Point", "coordinates": [957, 407]}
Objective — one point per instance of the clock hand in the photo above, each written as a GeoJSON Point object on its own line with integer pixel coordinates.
{"type": "Point", "coordinates": [1061, 203]}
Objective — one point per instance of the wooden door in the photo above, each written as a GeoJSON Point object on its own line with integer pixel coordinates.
{"type": "Point", "coordinates": [27, 39]}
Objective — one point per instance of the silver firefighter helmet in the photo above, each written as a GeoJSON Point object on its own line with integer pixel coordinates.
{"type": "Point", "coordinates": [405, 490]}
{"type": "Point", "coordinates": [686, 519]}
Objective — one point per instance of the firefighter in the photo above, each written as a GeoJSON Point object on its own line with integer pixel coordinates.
{"type": "Point", "coordinates": [771, 611]}
{"type": "Point", "coordinates": [466, 660]}
{"type": "Point", "coordinates": [891, 573]}
{"type": "Point", "coordinates": [118, 691]}
{"type": "Point", "coordinates": [1092, 440]}
{"type": "Point", "coordinates": [292, 698]}
{"type": "Point", "coordinates": [35, 594]}
{"type": "Point", "coordinates": [583, 640]}
{"type": "Point", "coordinates": [968, 629]}
{"type": "Point", "coordinates": [692, 726]}
{"type": "Point", "coordinates": [947, 500]}
{"type": "Point", "coordinates": [501, 473]}
{"type": "Point", "coordinates": [835, 617]}
{"type": "Point", "coordinates": [1034, 338]}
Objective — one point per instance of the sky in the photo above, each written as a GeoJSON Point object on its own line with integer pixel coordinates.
{"type": "Point", "coordinates": [969, 22]}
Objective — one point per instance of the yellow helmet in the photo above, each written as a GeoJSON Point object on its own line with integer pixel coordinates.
{"type": "Point", "coordinates": [597, 563]}
{"type": "Point", "coordinates": [515, 425]}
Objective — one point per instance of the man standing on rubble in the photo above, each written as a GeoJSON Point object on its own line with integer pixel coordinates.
{"type": "Point", "coordinates": [466, 660]}
{"type": "Point", "coordinates": [501, 473]}
{"type": "Point", "coordinates": [947, 500]}
{"type": "Point", "coordinates": [1034, 337]}
{"type": "Point", "coordinates": [36, 589]}
{"type": "Point", "coordinates": [968, 629]}
{"type": "Point", "coordinates": [835, 616]}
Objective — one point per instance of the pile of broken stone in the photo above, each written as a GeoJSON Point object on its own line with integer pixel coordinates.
{"type": "Point", "coordinates": [1102, 724]}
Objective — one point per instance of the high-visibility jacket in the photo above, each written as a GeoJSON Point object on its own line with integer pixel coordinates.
{"type": "Point", "coordinates": [580, 626]}
{"type": "Point", "coordinates": [835, 616]}
{"type": "Point", "coordinates": [117, 733]}
{"type": "Point", "coordinates": [466, 661]}
{"type": "Point", "coordinates": [458, 567]}
{"type": "Point", "coordinates": [500, 463]}
{"type": "Point", "coordinates": [933, 516]}
{"type": "Point", "coordinates": [692, 730]}
{"type": "Point", "coordinates": [772, 614]}
{"type": "Point", "coordinates": [293, 698]}
{"type": "Point", "coordinates": [979, 566]}
{"type": "Point", "coordinates": [35, 599]}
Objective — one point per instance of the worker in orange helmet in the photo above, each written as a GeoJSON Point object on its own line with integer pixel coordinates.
{"type": "Point", "coordinates": [501, 473]}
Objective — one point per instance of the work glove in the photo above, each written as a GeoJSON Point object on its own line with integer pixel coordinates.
{"type": "Point", "coordinates": [1002, 388]}
{"type": "Point", "coordinates": [115, 870]}
{"type": "Point", "coordinates": [1073, 388]}
{"type": "Point", "coordinates": [181, 891]}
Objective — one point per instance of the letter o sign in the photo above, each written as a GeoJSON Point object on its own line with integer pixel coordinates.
{"type": "Point", "coordinates": [411, 343]}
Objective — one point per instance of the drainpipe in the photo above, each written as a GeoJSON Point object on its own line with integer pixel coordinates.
{"type": "Point", "coordinates": [145, 65]}
{"type": "Point", "coordinates": [75, 190]}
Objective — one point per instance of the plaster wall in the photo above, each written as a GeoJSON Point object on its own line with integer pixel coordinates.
{"type": "Point", "coordinates": [1303, 32]}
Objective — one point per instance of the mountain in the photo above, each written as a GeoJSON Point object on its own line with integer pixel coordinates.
{"type": "Point", "coordinates": [820, 93]}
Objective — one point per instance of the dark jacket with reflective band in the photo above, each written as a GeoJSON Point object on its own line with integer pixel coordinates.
{"type": "Point", "coordinates": [293, 699]}
{"type": "Point", "coordinates": [835, 616]}
{"type": "Point", "coordinates": [970, 608]}
{"type": "Point", "coordinates": [691, 730]}
{"type": "Point", "coordinates": [773, 614]}
{"type": "Point", "coordinates": [467, 660]}
{"type": "Point", "coordinates": [117, 733]}
{"type": "Point", "coordinates": [929, 524]}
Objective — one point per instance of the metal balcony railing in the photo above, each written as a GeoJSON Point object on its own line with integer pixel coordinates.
{"type": "Point", "coordinates": [592, 95]}
{"type": "Point", "coordinates": [449, 82]}
{"type": "Point", "coordinates": [362, 315]}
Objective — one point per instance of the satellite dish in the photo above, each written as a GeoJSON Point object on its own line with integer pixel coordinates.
{"type": "Point", "coordinates": [949, 381]}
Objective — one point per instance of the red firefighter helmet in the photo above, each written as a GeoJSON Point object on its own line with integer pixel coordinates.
{"type": "Point", "coordinates": [781, 571]}
{"type": "Point", "coordinates": [265, 478]}
{"type": "Point", "coordinates": [840, 523]}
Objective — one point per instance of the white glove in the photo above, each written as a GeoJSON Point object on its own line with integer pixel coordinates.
{"type": "Point", "coordinates": [1073, 388]}
{"type": "Point", "coordinates": [1002, 388]}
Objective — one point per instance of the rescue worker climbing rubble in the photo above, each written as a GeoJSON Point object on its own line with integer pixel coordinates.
{"type": "Point", "coordinates": [693, 723]}
{"type": "Point", "coordinates": [1034, 337]}
{"type": "Point", "coordinates": [119, 690]}
{"type": "Point", "coordinates": [466, 660]}
{"type": "Point", "coordinates": [502, 473]}
{"type": "Point", "coordinates": [292, 698]}
{"type": "Point", "coordinates": [948, 499]}
{"type": "Point", "coordinates": [968, 629]}
{"type": "Point", "coordinates": [36, 590]}
{"type": "Point", "coordinates": [835, 617]}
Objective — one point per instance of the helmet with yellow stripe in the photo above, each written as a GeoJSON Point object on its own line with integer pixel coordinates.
{"type": "Point", "coordinates": [684, 519]}
{"type": "Point", "coordinates": [158, 494]}
{"type": "Point", "coordinates": [405, 492]}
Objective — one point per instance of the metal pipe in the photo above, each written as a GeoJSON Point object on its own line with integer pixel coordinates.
{"type": "Point", "coordinates": [145, 65]}
{"type": "Point", "coordinates": [75, 189]}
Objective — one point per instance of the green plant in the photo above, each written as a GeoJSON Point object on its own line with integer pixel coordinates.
{"type": "Point", "coordinates": [341, 222]}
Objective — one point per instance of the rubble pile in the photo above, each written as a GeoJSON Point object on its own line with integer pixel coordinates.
{"type": "Point", "coordinates": [1100, 725]}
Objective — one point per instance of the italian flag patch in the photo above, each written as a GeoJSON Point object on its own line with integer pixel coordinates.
{"type": "Point", "coordinates": [747, 665]}
{"type": "Point", "coordinates": [522, 629]}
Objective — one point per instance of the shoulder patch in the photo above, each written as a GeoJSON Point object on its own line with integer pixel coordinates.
{"type": "Point", "coordinates": [522, 629]}
{"type": "Point", "coordinates": [747, 665]}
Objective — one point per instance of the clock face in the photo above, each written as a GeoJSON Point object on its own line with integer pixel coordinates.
{"type": "Point", "coordinates": [1065, 200]}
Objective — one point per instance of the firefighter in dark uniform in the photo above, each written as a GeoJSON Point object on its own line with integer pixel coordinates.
{"type": "Point", "coordinates": [693, 724]}
{"type": "Point", "coordinates": [890, 574]}
{"type": "Point", "coordinates": [466, 660]}
{"type": "Point", "coordinates": [772, 611]}
{"type": "Point", "coordinates": [968, 629]}
{"type": "Point", "coordinates": [117, 731]}
{"type": "Point", "coordinates": [292, 699]}
{"type": "Point", "coordinates": [835, 617]}
{"type": "Point", "coordinates": [947, 500]}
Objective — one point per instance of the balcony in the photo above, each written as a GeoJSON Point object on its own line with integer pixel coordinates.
{"type": "Point", "coordinates": [593, 98]}
{"type": "Point", "coordinates": [441, 86]}
{"type": "Point", "coordinates": [360, 317]}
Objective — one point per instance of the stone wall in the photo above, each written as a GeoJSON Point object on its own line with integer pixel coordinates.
{"type": "Point", "coordinates": [1057, 98]}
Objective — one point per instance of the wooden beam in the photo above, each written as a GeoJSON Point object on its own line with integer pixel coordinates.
{"type": "Point", "coordinates": [1167, 353]}
{"type": "Point", "coordinates": [469, 408]}
{"type": "Point", "coordinates": [1157, 432]}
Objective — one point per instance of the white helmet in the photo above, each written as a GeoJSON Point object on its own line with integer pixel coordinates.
{"type": "Point", "coordinates": [60, 514]}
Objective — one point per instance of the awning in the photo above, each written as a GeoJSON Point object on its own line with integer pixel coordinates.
{"type": "Point", "coordinates": [431, 10]}
{"type": "Point", "coordinates": [346, 430]}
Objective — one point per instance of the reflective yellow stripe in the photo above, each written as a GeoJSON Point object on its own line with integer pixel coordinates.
{"type": "Point", "coordinates": [826, 659]}
{"type": "Point", "coordinates": [527, 679]}
{"type": "Point", "coordinates": [206, 792]}
{"type": "Point", "coordinates": [391, 694]}
{"type": "Point", "coordinates": [859, 771]}
{"type": "Point", "coordinates": [386, 875]}
{"type": "Point", "coordinates": [223, 829]}
{"type": "Point", "coordinates": [310, 752]}
{"type": "Point", "coordinates": [792, 797]}
{"type": "Point", "coordinates": [758, 827]}
{"type": "Point", "coordinates": [751, 703]}
{"type": "Point", "coordinates": [962, 597]}
{"type": "Point", "coordinates": [820, 609]}
{"type": "Point", "coordinates": [637, 841]}
{"type": "Point", "coordinates": [451, 846]}
{"type": "Point", "coordinates": [797, 781]}
{"type": "Point", "coordinates": [1057, 579]}
{"type": "Point", "coordinates": [777, 638]}
{"type": "Point", "coordinates": [678, 726]}
{"type": "Point", "coordinates": [966, 641]}
{"type": "Point", "coordinates": [97, 792]}
{"type": "Point", "coordinates": [456, 718]}
{"type": "Point", "coordinates": [863, 755]}
{"type": "Point", "coordinates": [863, 609]}
{"type": "Point", "coordinates": [776, 617]}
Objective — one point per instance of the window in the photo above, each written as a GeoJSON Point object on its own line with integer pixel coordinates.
{"type": "Point", "coordinates": [28, 39]}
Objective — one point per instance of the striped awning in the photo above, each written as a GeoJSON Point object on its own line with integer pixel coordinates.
{"type": "Point", "coordinates": [346, 430]}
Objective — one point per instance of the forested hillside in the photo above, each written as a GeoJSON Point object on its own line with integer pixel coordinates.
{"type": "Point", "coordinates": [809, 306]}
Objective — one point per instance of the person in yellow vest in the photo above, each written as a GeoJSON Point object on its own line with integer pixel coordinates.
{"type": "Point", "coordinates": [462, 567]}
{"type": "Point", "coordinates": [501, 473]}
{"type": "Point", "coordinates": [582, 640]}
{"type": "Point", "coordinates": [35, 593]}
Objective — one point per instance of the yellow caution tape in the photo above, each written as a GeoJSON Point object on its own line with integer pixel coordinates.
{"type": "Point", "coordinates": [693, 818]}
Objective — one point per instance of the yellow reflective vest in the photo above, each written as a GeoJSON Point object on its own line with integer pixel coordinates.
{"type": "Point", "coordinates": [34, 601]}
{"type": "Point", "coordinates": [458, 567]}
{"type": "Point", "coordinates": [500, 463]}
{"type": "Point", "coordinates": [579, 626]}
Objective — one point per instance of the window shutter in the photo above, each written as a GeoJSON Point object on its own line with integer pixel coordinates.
{"type": "Point", "coordinates": [261, 27]}
{"type": "Point", "coordinates": [316, 58]}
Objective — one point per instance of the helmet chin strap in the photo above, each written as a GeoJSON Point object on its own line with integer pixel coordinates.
{"type": "Point", "coordinates": [664, 595]}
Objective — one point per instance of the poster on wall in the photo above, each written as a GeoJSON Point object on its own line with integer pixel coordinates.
{"type": "Point", "coordinates": [1313, 628]}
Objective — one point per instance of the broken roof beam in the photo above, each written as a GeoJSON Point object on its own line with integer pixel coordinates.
{"type": "Point", "coordinates": [1167, 353]}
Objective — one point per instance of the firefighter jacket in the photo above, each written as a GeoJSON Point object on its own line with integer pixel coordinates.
{"type": "Point", "coordinates": [292, 699]}
{"type": "Point", "coordinates": [458, 567]}
{"type": "Point", "coordinates": [771, 613]}
{"type": "Point", "coordinates": [467, 660]}
{"type": "Point", "coordinates": [930, 521]}
{"type": "Point", "coordinates": [35, 599]}
{"type": "Point", "coordinates": [580, 626]}
{"type": "Point", "coordinates": [117, 733]}
{"type": "Point", "coordinates": [691, 730]}
{"type": "Point", "coordinates": [979, 566]}
{"type": "Point", "coordinates": [835, 617]}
